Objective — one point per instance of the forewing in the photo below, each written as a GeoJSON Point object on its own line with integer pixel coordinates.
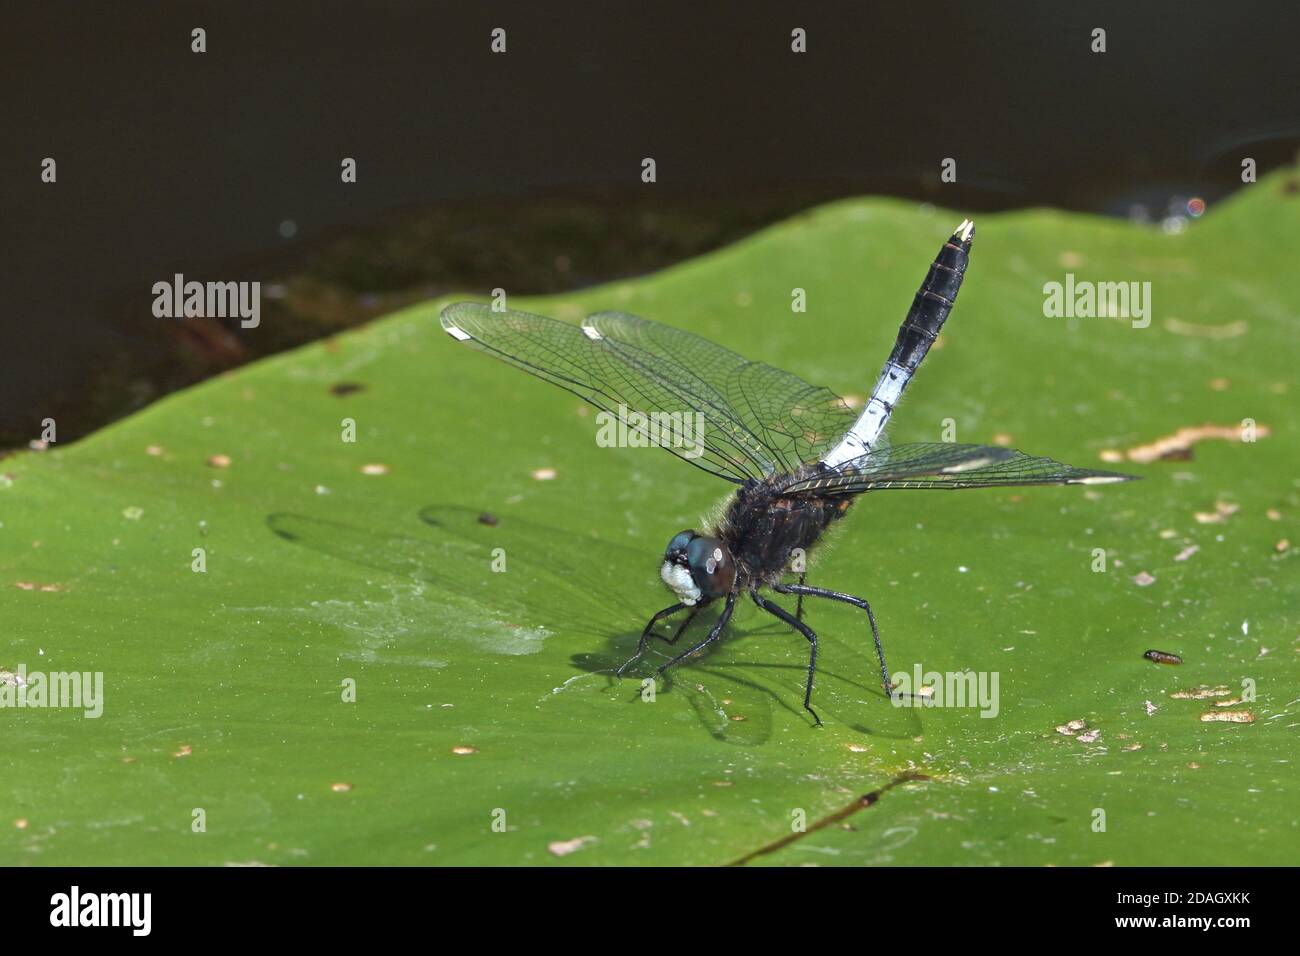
{"type": "Point", "coordinates": [794, 421]}
{"type": "Point", "coordinates": [947, 465]}
{"type": "Point", "coordinates": [618, 376]}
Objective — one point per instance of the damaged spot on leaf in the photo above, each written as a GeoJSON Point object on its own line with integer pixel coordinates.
{"type": "Point", "coordinates": [1202, 692]}
{"type": "Point", "coordinates": [1229, 331]}
{"type": "Point", "coordinates": [1222, 511]}
{"type": "Point", "coordinates": [565, 847]}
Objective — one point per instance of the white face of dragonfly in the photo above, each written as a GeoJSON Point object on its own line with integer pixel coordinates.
{"type": "Point", "coordinates": [679, 580]}
{"type": "Point", "coordinates": [696, 567]}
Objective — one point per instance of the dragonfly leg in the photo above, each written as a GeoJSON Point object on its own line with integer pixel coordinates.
{"type": "Point", "coordinates": [779, 612]}
{"type": "Point", "coordinates": [798, 606]}
{"type": "Point", "coordinates": [685, 624]}
{"type": "Point", "coordinates": [645, 634]}
{"type": "Point", "coordinates": [802, 589]}
{"type": "Point", "coordinates": [714, 632]}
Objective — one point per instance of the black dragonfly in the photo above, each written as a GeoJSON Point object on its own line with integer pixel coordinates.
{"type": "Point", "coordinates": [799, 454]}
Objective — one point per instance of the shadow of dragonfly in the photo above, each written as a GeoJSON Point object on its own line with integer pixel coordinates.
{"type": "Point", "coordinates": [579, 585]}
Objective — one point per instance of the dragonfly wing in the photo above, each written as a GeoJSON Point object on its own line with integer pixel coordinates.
{"type": "Point", "coordinates": [625, 378]}
{"type": "Point", "coordinates": [795, 421]}
{"type": "Point", "coordinates": [947, 465]}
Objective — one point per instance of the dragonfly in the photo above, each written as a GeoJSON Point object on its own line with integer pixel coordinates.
{"type": "Point", "coordinates": [799, 454]}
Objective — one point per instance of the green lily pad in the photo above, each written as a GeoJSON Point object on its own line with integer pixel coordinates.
{"type": "Point", "coordinates": [473, 567]}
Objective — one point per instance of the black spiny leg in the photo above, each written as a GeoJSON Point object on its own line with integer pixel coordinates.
{"type": "Point", "coordinates": [802, 589]}
{"type": "Point", "coordinates": [713, 633]}
{"type": "Point", "coordinates": [645, 635]}
{"type": "Point", "coordinates": [685, 624]}
{"type": "Point", "coordinates": [777, 611]}
{"type": "Point", "coordinates": [798, 604]}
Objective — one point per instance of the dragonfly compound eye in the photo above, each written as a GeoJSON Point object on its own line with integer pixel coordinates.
{"type": "Point", "coordinates": [712, 567]}
{"type": "Point", "coordinates": [676, 550]}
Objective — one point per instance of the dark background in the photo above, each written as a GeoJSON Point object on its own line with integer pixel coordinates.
{"type": "Point", "coordinates": [523, 170]}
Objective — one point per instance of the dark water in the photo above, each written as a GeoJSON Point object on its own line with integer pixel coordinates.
{"type": "Point", "coordinates": [522, 170]}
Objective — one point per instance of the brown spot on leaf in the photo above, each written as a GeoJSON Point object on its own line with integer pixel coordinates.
{"type": "Point", "coordinates": [1178, 445]}
{"type": "Point", "coordinates": [1228, 717]}
{"type": "Point", "coordinates": [1162, 657]}
{"type": "Point", "coordinates": [219, 461]}
{"type": "Point", "coordinates": [346, 388]}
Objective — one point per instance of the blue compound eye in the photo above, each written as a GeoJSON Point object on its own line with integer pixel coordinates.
{"type": "Point", "coordinates": [712, 568]}
{"type": "Point", "coordinates": [679, 543]}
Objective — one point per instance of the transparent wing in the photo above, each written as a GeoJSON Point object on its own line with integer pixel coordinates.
{"type": "Point", "coordinates": [946, 465]}
{"type": "Point", "coordinates": [795, 421]}
{"type": "Point", "coordinates": [754, 419]}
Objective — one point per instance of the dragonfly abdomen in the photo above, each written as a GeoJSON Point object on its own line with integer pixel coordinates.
{"type": "Point", "coordinates": [930, 308]}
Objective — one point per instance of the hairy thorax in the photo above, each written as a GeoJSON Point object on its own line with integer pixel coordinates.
{"type": "Point", "coordinates": [763, 528]}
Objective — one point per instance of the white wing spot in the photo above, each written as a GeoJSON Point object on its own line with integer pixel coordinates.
{"type": "Point", "coordinates": [1098, 480]}
{"type": "Point", "coordinates": [460, 335]}
{"type": "Point", "coordinates": [969, 465]}
{"type": "Point", "coordinates": [592, 333]}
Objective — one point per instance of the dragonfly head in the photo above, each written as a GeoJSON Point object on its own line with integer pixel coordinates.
{"type": "Point", "coordinates": [696, 567]}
